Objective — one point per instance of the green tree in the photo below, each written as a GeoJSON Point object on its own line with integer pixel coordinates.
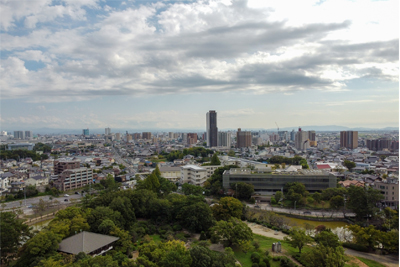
{"type": "Point", "coordinates": [298, 238]}
{"type": "Point", "coordinates": [324, 256]}
{"type": "Point", "coordinates": [151, 183]}
{"type": "Point", "coordinates": [190, 189]}
{"type": "Point", "coordinates": [233, 231]}
{"type": "Point", "coordinates": [362, 201]}
{"type": "Point", "coordinates": [243, 190]}
{"type": "Point", "coordinates": [96, 217]}
{"type": "Point", "coordinates": [327, 239]}
{"type": "Point", "coordinates": [317, 197]}
{"type": "Point", "coordinates": [228, 207]}
{"type": "Point", "coordinates": [215, 160]}
{"type": "Point", "coordinates": [157, 172]}
{"type": "Point", "coordinates": [349, 164]}
{"type": "Point", "coordinates": [336, 202]}
{"type": "Point", "coordinates": [214, 183]}
{"type": "Point", "coordinates": [124, 206]}
{"type": "Point", "coordinates": [231, 153]}
{"type": "Point", "coordinates": [201, 256]}
{"type": "Point", "coordinates": [365, 236]}
{"type": "Point", "coordinates": [196, 217]}
{"type": "Point", "coordinates": [278, 196]}
{"type": "Point", "coordinates": [13, 233]}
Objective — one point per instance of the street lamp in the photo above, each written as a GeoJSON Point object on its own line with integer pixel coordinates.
{"type": "Point", "coordinates": [295, 204]}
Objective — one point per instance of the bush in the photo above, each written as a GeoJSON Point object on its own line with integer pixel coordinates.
{"type": "Point", "coordinates": [252, 200]}
{"type": "Point", "coordinates": [177, 227]}
{"type": "Point", "coordinates": [262, 264]}
{"type": "Point", "coordinates": [256, 245]}
{"type": "Point", "coordinates": [266, 261]}
{"type": "Point", "coordinates": [273, 201]}
{"type": "Point", "coordinates": [255, 265]}
{"type": "Point", "coordinates": [286, 262]}
{"type": "Point", "coordinates": [203, 236]}
{"type": "Point", "coordinates": [355, 247]}
{"type": "Point", "coordinates": [255, 257]}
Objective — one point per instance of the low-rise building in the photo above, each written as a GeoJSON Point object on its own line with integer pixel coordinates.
{"type": "Point", "coordinates": [173, 174]}
{"type": "Point", "coordinates": [193, 174]}
{"type": "Point", "coordinates": [37, 180]}
{"type": "Point", "coordinates": [269, 183]}
{"type": "Point", "coordinates": [390, 190]}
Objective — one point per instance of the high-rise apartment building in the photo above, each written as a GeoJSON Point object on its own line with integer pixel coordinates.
{"type": "Point", "coordinates": [28, 135]}
{"type": "Point", "coordinates": [243, 138]}
{"type": "Point", "coordinates": [137, 136]}
{"type": "Point", "coordinates": [224, 139]}
{"type": "Point", "coordinates": [301, 140]}
{"type": "Point", "coordinates": [85, 132]}
{"type": "Point", "coordinates": [212, 129]}
{"type": "Point", "coordinates": [128, 137]}
{"type": "Point", "coordinates": [191, 138]}
{"type": "Point", "coordinates": [107, 131]}
{"type": "Point", "coordinates": [349, 139]}
{"type": "Point", "coordinates": [62, 165]}
{"type": "Point", "coordinates": [283, 135]}
{"type": "Point", "coordinates": [146, 135]}
{"type": "Point", "coordinates": [292, 135]}
{"type": "Point", "coordinates": [19, 135]}
{"type": "Point", "coordinates": [118, 136]}
{"type": "Point", "coordinates": [313, 138]}
{"type": "Point", "coordinates": [381, 144]}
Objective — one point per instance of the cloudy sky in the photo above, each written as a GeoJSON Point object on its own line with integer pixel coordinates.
{"type": "Point", "coordinates": [164, 64]}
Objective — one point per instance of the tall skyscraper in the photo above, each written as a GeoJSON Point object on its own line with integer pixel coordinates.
{"type": "Point", "coordinates": [349, 139]}
{"type": "Point", "coordinates": [313, 138]}
{"type": "Point", "coordinates": [107, 131]}
{"type": "Point", "coordinates": [118, 136]}
{"type": "Point", "coordinates": [292, 135]}
{"type": "Point", "coordinates": [85, 132]}
{"type": "Point", "coordinates": [243, 138]}
{"type": "Point", "coordinates": [224, 139]}
{"type": "Point", "coordinates": [191, 138]}
{"type": "Point", "coordinates": [212, 129]}
{"type": "Point", "coordinates": [146, 135]}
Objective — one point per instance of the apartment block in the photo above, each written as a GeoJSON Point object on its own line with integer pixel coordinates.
{"type": "Point", "coordinates": [349, 139]}
{"type": "Point", "coordinates": [73, 179]}
{"type": "Point", "coordinates": [301, 140]}
{"type": "Point", "coordinates": [224, 139]}
{"type": "Point", "coordinates": [137, 136]}
{"type": "Point", "coordinates": [19, 135]}
{"type": "Point", "coordinates": [146, 135]}
{"type": "Point", "coordinates": [196, 175]}
{"type": "Point", "coordinates": [62, 165]}
{"type": "Point", "coordinates": [28, 135]}
{"type": "Point", "coordinates": [191, 138]}
{"type": "Point", "coordinates": [173, 174]}
{"type": "Point", "coordinates": [243, 138]}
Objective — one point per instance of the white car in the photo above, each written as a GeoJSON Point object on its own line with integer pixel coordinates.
{"type": "Point", "coordinates": [66, 195]}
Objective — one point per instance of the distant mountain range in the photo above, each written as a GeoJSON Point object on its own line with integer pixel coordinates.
{"type": "Point", "coordinates": [326, 128]}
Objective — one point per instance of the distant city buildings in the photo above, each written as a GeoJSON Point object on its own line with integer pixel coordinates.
{"type": "Point", "coordinates": [301, 140]}
{"type": "Point", "coordinates": [224, 139]}
{"type": "Point", "coordinates": [19, 135]}
{"type": "Point", "coordinates": [212, 129]}
{"type": "Point", "coordinates": [349, 139]}
{"type": "Point", "coordinates": [146, 135]}
{"type": "Point", "coordinates": [382, 144]}
{"type": "Point", "coordinates": [191, 138]}
{"type": "Point", "coordinates": [107, 131]}
{"type": "Point", "coordinates": [85, 132]}
{"type": "Point", "coordinates": [28, 135]}
{"type": "Point", "coordinates": [243, 138]}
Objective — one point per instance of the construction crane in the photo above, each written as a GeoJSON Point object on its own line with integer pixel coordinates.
{"type": "Point", "coordinates": [277, 126]}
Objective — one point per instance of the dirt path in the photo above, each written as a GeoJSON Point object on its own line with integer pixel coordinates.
{"type": "Point", "coordinates": [265, 231]}
{"type": "Point", "coordinates": [387, 260]}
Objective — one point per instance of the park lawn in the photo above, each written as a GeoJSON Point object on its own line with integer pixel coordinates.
{"type": "Point", "coordinates": [370, 263]}
{"type": "Point", "coordinates": [265, 244]}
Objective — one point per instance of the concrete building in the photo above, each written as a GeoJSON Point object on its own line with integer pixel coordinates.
{"type": "Point", "coordinates": [390, 190]}
{"type": "Point", "coordinates": [28, 135]}
{"type": "Point", "coordinates": [137, 136]}
{"type": "Point", "coordinates": [224, 139]}
{"type": "Point", "coordinates": [243, 138]}
{"type": "Point", "coordinates": [173, 174]}
{"type": "Point", "coordinates": [37, 181]}
{"type": "Point", "coordinates": [349, 139]}
{"type": "Point", "coordinates": [292, 135]}
{"type": "Point", "coordinates": [283, 135]}
{"type": "Point", "coordinates": [27, 146]}
{"type": "Point", "coordinates": [118, 137]}
{"type": "Point", "coordinates": [128, 138]}
{"type": "Point", "coordinates": [146, 135]}
{"type": "Point", "coordinates": [62, 165]}
{"type": "Point", "coordinates": [85, 132]}
{"type": "Point", "coordinates": [191, 138]}
{"type": "Point", "coordinates": [301, 140]}
{"type": "Point", "coordinates": [269, 183]}
{"type": "Point", "coordinates": [73, 179]}
{"type": "Point", "coordinates": [107, 131]}
{"type": "Point", "coordinates": [193, 174]}
{"type": "Point", "coordinates": [212, 129]}
{"type": "Point", "coordinates": [19, 135]}
{"type": "Point", "coordinates": [313, 138]}
{"type": "Point", "coordinates": [381, 144]}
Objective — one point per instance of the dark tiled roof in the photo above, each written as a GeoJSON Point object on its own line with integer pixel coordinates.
{"type": "Point", "coordinates": [85, 242]}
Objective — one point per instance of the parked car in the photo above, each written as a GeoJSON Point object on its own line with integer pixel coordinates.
{"type": "Point", "coordinates": [30, 206]}
{"type": "Point", "coordinates": [77, 193]}
{"type": "Point", "coordinates": [66, 195]}
{"type": "Point", "coordinates": [66, 199]}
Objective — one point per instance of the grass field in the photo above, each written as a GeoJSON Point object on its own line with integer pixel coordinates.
{"type": "Point", "coordinates": [265, 244]}
{"type": "Point", "coordinates": [370, 263]}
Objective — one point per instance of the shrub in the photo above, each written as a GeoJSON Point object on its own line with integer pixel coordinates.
{"type": "Point", "coordinates": [255, 265]}
{"type": "Point", "coordinates": [252, 200]}
{"type": "Point", "coordinates": [255, 257]}
{"type": "Point", "coordinates": [273, 201]}
{"type": "Point", "coordinates": [203, 236]}
{"type": "Point", "coordinates": [177, 227]}
{"type": "Point", "coordinates": [262, 264]}
{"type": "Point", "coordinates": [355, 247]}
{"type": "Point", "coordinates": [286, 262]}
{"type": "Point", "coordinates": [256, 245]}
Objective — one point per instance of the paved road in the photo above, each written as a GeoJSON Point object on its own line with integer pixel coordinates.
{"type": "Point", "coordinates": [120, 160]}
{"type": "Point", "coordinates": [387, 260]}
{"type": "Point", "coordinates": [34, 200]}
{"type": "Point", "coordinates": [326, 214]}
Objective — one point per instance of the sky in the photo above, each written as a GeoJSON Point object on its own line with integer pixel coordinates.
{"type": "Point", "coordinates": [74, 64]}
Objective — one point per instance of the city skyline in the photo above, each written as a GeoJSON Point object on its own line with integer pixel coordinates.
{"type": "Point", "coordinates": [162, 65]}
